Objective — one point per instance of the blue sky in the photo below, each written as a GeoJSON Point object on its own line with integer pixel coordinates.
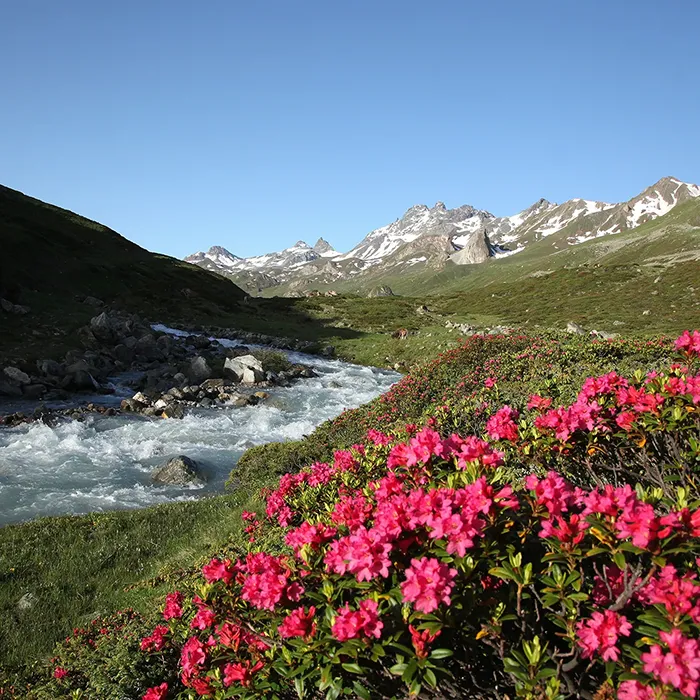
{"type": "Point", "coordinates": [254, 124]}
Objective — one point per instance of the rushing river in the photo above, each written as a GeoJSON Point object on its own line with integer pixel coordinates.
{"type": "Point", "coordinates": [105, 463]}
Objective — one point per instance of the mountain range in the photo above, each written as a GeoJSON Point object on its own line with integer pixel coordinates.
{"type": "Point", "coordinates": [428, 240]}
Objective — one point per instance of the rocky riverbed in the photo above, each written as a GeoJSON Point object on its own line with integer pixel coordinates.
{"type": "Point", "coordinates": [55, 464]}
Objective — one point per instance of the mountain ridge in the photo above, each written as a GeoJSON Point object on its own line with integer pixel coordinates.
{"type": "Point", "coordinates": [435, 237]}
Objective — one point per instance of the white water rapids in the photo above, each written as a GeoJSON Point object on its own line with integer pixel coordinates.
{"type": "Point", "coordinates": [105, 463]}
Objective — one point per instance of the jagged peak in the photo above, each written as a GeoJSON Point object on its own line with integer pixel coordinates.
{"type": "Point", "coordinates": [323, 246]}
{"type": "Point", "coordinates": [220, 250]}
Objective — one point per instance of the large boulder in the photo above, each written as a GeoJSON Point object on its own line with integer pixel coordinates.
{"type": "Point", "coordinates": [104, 327]}
{"type": "Point", "coordinates": [17, 375]}
{"type": "Point", "coordinates": [178, 471]}
{"type": "Point", "coordinates": [246, 369]}
{"type": "Point", "coordinates": [80, 381]}
{"type": "Point", "coordinates": [9, 389]}
{"type": "Point", "coordinates": [50, 368]}
{"type": "Point", "coordinates": [575, 328]}
{"type": "Point", "coordinates": [199, 370]}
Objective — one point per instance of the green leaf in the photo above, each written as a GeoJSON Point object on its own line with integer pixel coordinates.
{"type": "Point", "coordinates": [353, 668]}
{"type": "Point", "coordinates": [361, 691]}
{"type": "Point", "coordinates": [398, 669]}
{"type": "Point", "coordinates": [441, 653]}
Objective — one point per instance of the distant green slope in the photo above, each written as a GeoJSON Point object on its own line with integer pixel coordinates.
{"type": "Point", "coordinates": [51, 259]}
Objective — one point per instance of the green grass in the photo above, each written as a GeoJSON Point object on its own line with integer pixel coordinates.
{"type": "Point", "coordinates": [80, 567]}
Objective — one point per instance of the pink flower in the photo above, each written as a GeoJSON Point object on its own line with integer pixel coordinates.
{"type": "Point", "coordinates": [377, 437]}
{"type": "Point", "coordinates": [634, 690]}
{"type": "Point", "coordinates": [680, 666]}
{"type": "Point", "coordinates": [421, 640]}
{"type": "Point", "coordinates": [600, 633]}
{"type": "Point", "coordinates": [60, 672]}
{"type": "Point", "coordinates": [502, 425]}
{"type": "Point", "coordinates": [173, 606]}
{"type": "Point", "coordinates": [203, 619]}
{"type": "Point", "coordinates": [192, 657]}
{"type": "Point", "coordinates": [680, 595]}
{"type": "Point", "coordinates": [626, 419]}
{"type": "Point", "coordinates": [156, 641]}
{"type": "Point", "coordinates": [364, 553]}
{"type": "Point", "coordinates": [313, 535]}
{"type": "Point", "coordinates": [351, 511]}
{"type": "Point", "coordinates": [241, 673]}
{"type": "Point", "coordinates": [553, 492]}
{"type": "Point", "coordinates": [217, 570]}
{"type": "Point", "coordinates": [158, 692]}
{"type": "Point", "coordinates": [298, 624]}
{"type": "Point", "coordinates": [364, 622]}
{"type": "Point", "coordinates": [428, 583]}
{"type": "Point", "coordinates": [689, 342]}
{"type": "Point", "coordinates": [489, 382]}
{"type": "Point", "coordinates": [569, 533]}
{"type": "Point", "coordinates": [538, 403]}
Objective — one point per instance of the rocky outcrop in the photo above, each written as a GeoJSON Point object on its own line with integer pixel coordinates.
{"type": "Point", "coordinates": [383, 291]}
{"type": "Point", "coordinates": [178, 471]}
{"type": "Point", "coordinates": [10, 308]}
{"type": "Point", "coordinates": [245, 369]}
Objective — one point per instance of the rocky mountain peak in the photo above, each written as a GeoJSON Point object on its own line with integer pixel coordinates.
{"type": "Point", "coordinates": [323, 246]}
{"type": "Point", "coordinates": [220, 250]}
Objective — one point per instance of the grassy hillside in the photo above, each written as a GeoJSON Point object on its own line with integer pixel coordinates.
{"type": "Point", "coordinates": [80, 567]}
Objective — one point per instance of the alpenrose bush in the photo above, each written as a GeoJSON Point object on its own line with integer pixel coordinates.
{"type": "Point", "coordinates": [416, 563]}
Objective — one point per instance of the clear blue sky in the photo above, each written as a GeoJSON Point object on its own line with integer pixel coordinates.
{"type": "Point", "coordinates": [253, 123]}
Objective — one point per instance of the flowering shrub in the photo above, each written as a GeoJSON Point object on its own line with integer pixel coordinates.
{"type": "Point", "coordinates": [547, 550]}
{"type": "Point", "coordinates": [425, 561]}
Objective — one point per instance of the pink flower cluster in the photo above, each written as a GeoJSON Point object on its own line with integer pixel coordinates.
{"type": "Point", "coordinates": [364, 622]}
{"type": "Point", "coordinates": [156, 640]}
{"type": "Point", "coordinates": [689, 343]}
{"type": "Point", "coordinates": [298, 623]}
{"type": "Point", "coordinates": [680, 595]}
{"type": "Point", "coordinates": [428, 583]}
{"type": "Point", "coordinates": [599, 634]}
{"type": "Point", "coordinates": [679, 666]}
{"type": "Point", "coordinates": [266, 582]}
{"type": "Point", "coordinates": [502, 424]}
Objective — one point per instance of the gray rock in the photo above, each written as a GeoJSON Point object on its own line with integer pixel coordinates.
{"type": "Point", "coordinates": [212, 385]}
{"type": "Point", "coordinates": [130, 341]}
{"type": "Point", "coordinates": [123, 353]}
{"type": "Point", "coordinates": [17, 375]}
{"type": "Point", "coordinates": [33, 391]}
{"type": "Point", "coordinates": [201, 342]}
{"type": "Point", "coordinates": [50, 368]}
{"type": "Point", "coordinates": [180, 379]}
{"type": "Point", "coordinates": [80, 381]}
{"type": "Point", "coordinates": [147, 347]}
{"type": "Point", "coordinates": [383, 291]}
{"type": "Point", "coordinates": [103, 327]}
{"type": "Point", "coordinates": [141, 398]}
{"type": "Point", "coordinates": [174, 411]}
{"type": "Point", "coordinates": [176, 393]}
{"type": "Point", "coordinates": [93, 301]}
{"type": "Point", "coordinates": [27, 601]}
{"type": "Point", "coordinates": [575, 328]}
{"type": "Point", "coordinates": [206, 403]}
{"type": "Point", "coordinates": [246, 369]}
{"type": "Point", "coordinates": [7, 389]}
{"type": "Point", "coordinates": [178, 471]}
{"type": "Point", "coordinates": [131, 406]}
{"type": "Point", "coordinates": [11, 308]}
{"type": "Point", "coordinates": [199, 370]}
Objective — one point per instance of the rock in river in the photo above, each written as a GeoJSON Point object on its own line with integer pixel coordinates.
{"type": "Point", "coordinates": [178, 471]}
